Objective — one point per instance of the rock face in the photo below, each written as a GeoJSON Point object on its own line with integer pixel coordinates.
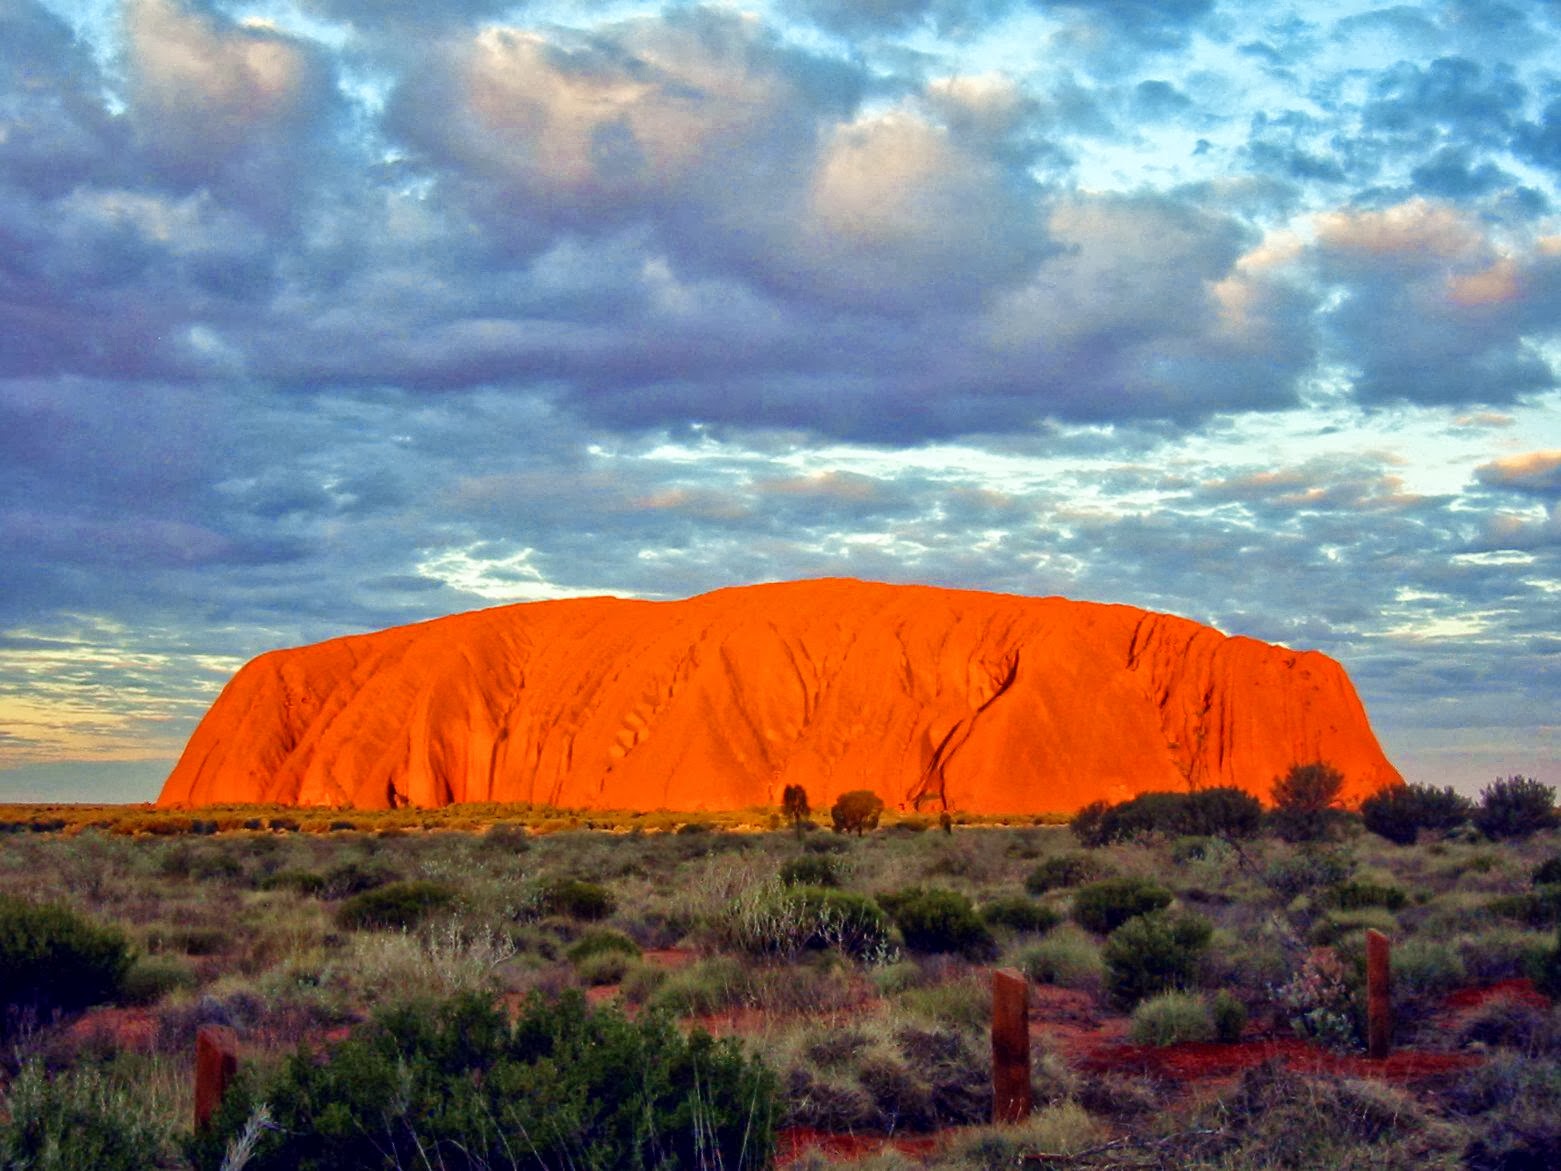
{"type": "Point", "coordinates": [934, 698]}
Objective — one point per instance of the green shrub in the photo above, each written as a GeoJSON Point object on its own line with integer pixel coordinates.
{"type": "Point", "coordinates": [1229, 1016]}
{"type": "Point", "coordinates": [602, 942]}
{"type": "Point", "coordinates": [1068, 957]}
{"type": "Point", "coordinates": [810, 870]}
{"type": "Point", "coordinates": [1546, 970]}
{"type": "Point", "coordinates": [351, 877]}
{"type": "Point", "coordinates": [856, 812]}
{"type": "Point", "coordinates": [1063, 871]}
{"type": "Point", "coordinates": [1400, 812]}
{"type": "Point", "coordinates": [455, 1085]}
{"type": "Point", "coordinates": [1307, 870]}
{"type": "Point", "coordinates": [1018, 913]}
{"type": "Point", "coordinates": [843, 920]}
{"type": "Point", "coordinates": [1170, 1018]}
{"type": "Point", "coordinates": [576, 898]}
{"type": "Point", "coordinates": [52, 958]}
{"type": "Point", "coordinates": [75, 1121]}
{"type": "Point", "coordinates": [1353, 895]}
{"type": "Point", "coordinates": [938, 921]}
{"type": "Point", "coordinates": [1104, 906]}
{"type": "Point", "coordinates": [150, 978]}
{"type": "Point", "coordinates": [780, 921]}
{"type": "Point", "coordinates": [1515, 807]}
{"type": "Point", "coordinates": [1157, 952]}
{"type": "Point", "coordinates": [396, 905]}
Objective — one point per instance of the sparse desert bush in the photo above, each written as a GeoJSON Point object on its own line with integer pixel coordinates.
{"type": "Point", "coordinates": [1018, 913]}
{"type": "Point", "coordinates": [1546, 970]}
{"type": "Point", "coordinates": [777, 921]}
{"type": "Point", "coordinates": [1155, 952]}
{"type": "Point", "coordinates": [1306, 802]}
{"type": "Point", "coordinates": [1169, 1018]}
{"type": "Point", "coordinates": [1062, 871]}
{"type": "Point", "coordinates": [1104, 906]}
{"type": "Point", "coordinates": [76, 1120]}
{"type": "Point", "coordinates": [1222, 811]}
{"type": "Point", "coordinates": [856, 812]}
{"type": "Point", "coordinates": [932, 920]}
{"type": "Point", "coordinates": [1229, 1016]}
{"type": "Point", "coordinates": [1399, 812]}
{"type": "Point", "coordinates": [396, 905]}
{"type": "Point", "coordinates": [575, 898]}
{"type": "Point", "coordinates": [1068, 957]}
{"type": "Point", "coordinates": [53, 958]}
{"type": "Point", "coordinates": [455, 1085]}
{"type": "Point", "coordinates": [1355, 894]}
{"type": "Point", "coordinates": [303, 882]}
{"type": "Point", "coordinates": [810, 870]}
{"type": "Point", "coordinates": [1516, 807]}
{"type": "Point", "coordinates": [1306, 870]}
{"type": "Point", "coordinates": [150, 978]}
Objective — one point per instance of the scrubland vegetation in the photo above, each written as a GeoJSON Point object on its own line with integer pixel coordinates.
{"type": "Point", "coordinates": [489, 987]}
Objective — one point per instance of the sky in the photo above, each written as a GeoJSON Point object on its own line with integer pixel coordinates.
{"type": "Point", "coordinates": [321, 316]}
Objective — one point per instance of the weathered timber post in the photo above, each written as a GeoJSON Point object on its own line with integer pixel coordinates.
{"type": "Point", "coordinates": [1379, 1000]}
{"type": "Point", "coordinates": [1010, 1046]}
{"type": "Point", "coordinates": [216, 1064]}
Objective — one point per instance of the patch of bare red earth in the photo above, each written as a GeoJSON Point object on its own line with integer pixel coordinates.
{"type": "Point", "coordinates": [1093, 1042]}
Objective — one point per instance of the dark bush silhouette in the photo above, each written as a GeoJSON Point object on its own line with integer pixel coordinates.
{"type": "Point", "coordinates": [856, 811]}
{"type": "Point", "coordinates": [1400, 812]}
{"type": "Point", "coordinates": [1018, 913]}
{"type": "Point", "coordinates": [1223, 811]}
{"type": "Point", "coordinates": [1548, 872]}
{"type": "Point", "coordinates": [1515, 807]}
{"type": "Point", "coordinates": [396, 905]}
{"type": "Point", "coordinates": [1154, 953]}
{"type": "Point", "coordinates": [1306, 802]}
{"type": "Point", "coordinates": [1104, 906]}
{"type": "Point", "coordinates": [1063, 871]}
{"type": "Point", "coordinates": [454, 1085]}
{"type": "Point", "coordinates": [939, 921]}
{"type": "Point", "coordinates": [794, 804]}
{"type": "Point", "coordinates": [52, 958]}
{"type": "Point", "coordinates": [575, 898]}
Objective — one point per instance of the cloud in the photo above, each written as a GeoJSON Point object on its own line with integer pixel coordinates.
{"type": "Point", "coordinates": [1433, 310]}
{"type": "Point", "coordinates": [1533, 472]}
{"type": "Point", "coordinates": [236, 108]}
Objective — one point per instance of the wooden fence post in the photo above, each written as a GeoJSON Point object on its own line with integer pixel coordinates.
{"type": "Point", "coordinates": [216, 1064]}
{"type": "Point", "coordinates": [1010, 1046]}
{"type": "Point", "coordinates": [1379, 995]}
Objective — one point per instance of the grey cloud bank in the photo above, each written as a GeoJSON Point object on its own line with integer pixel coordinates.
{"type": "Point", "coordinates": [321, 316]}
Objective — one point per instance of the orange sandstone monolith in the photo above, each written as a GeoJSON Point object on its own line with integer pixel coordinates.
{"type": "Point", "coordinates": [216, 1065]}
{"type": "Point", "coordinates": [1010, 1046]}
{"type": "Point", "coordinates": [934, 698]}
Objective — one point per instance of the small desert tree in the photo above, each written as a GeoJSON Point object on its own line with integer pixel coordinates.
{"type": "Point", "coordinates": [1515, 807]}
{"type": "Point", "coordinates": [1306, 801]}
{"type": "Point", "coordinates": [794, 804]}
{"type": "Point", "coordinates": [856, 812]}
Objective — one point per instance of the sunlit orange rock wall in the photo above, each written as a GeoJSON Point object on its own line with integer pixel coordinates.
{"type": "Point", "coordinates": [934, 698]}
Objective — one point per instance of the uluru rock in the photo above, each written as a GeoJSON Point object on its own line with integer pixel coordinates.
{"type": "Point", "coordinates": [934, 698]}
